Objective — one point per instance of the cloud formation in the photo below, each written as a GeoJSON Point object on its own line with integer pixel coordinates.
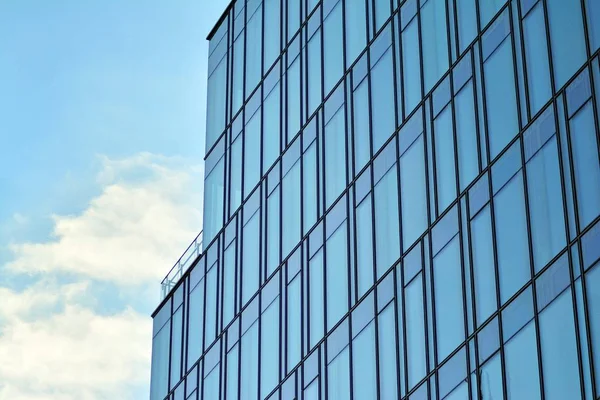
{"type": "Point", "coordinates": [57, 339]}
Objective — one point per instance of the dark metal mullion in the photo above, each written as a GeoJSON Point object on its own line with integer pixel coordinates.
{"type": "Point", "coordinates": [404, 335]}
{"type": "Point", "coordinates": [521, 48]}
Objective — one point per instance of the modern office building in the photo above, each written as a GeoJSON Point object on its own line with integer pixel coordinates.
{"type": "Point", "coordinates": [402, 201]}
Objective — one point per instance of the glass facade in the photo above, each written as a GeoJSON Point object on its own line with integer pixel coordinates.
{"type": "Point", "coordinates": [402, 201]}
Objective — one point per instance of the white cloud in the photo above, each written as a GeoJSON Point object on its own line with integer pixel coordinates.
{"type": "Point", "coordinates": [57, 341]}
{"type": "Point", "coordinates": [147, 212]}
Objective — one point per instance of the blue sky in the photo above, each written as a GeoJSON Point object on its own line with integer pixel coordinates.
{"type": "Point", "coordinates": [102, 108]}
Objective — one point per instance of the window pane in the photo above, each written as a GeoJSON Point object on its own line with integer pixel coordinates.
{"type": "Point", "coordinates": [511, 238]}
{"type": "Point", "coordinates": [545, 204]}
{"type": "Point", "coordinates": [448, 299]}
{"type": "Point", "coordinates": [593, 298]}
{"type": "Point", "coordinates": [364, 246]}
{"type": "Point", "coordinates": [356, 17]}
{"type": "Point", "coordinates": [413, 193]}
{"type": "Point", "coordinates": [338, 377]}
{"type": "Point", "coordinates": [249, 364]}
{"type": "Point", "coordinates": [238, 74]}
{"type": "Point", "coordinates": [213, 202]}
{"type": "Point", "coordinates": [444, 159]}
{"type": "Point", "coordinates": [387, 224]}
{"type": "Point", "coordinates": [215, 108]}
{"type": "Point", "coordinates": [387, 354]}
{"type": "Point", "coordinates": [273, 236]}
{"type": "Point", "coordinates": [488, 9]}
{"type": "Point", "coordinates": [310, 187]}
{"type": "Point", "coordinates": [232, 373]}
{"type": "Point", "coordinates": [593, 14]}
{"type": "Point", "coordinates": [210, 317]}
{"type": "Point", "coordinates": [335, 157]}
{"type": "Point", "coordinates": [466, 135]}
{"type": "Point", "coordinates": [337, 277]}
{"type": "Point", "coordinates": [483, 265]}
{"type": "Point", "coordinates": [332, 47]}
{"type": "Point", "coordinates": [536, 56]}
{"type": "Point", "coordinates": [293, 100]}
{"type": "Point", "coordinates": [211, 384]}
{"type": "Point", "coordinates": [566, 38]}
{"type": "Point", "coordinates": [176, 342]}
{"type": "Point", "coordinates": [382, 96]}
{"type": "Point", "coordinates": [228, 284]}
{"type": "Point", "coordinates": [269, 359]}
{"type": "Point", "coordinates": [363, 364]}
{"type": "Point", "coordinates": [316, 298]}
{"type": "Point", "coordinates": [314, 76]}
{"type": "Point", "coordinates": [291, 209]}
{"type": "Point", "coordinates": [253, 50]}
{"type": "Point", "coordinates": [435, 44]}
{"type": "Point", "coordinates": [382, 12]}
{"type": "Point", "coordinates": [160, 363]}
{"type": "Point", "coordinates": [195, 323]}
{"type": "Point", "coordinates": [252, 153]}
{"type": "Point", "coordinates": [250, 258]}
{"type": "Point", "coordinates": [362, 146]}
{"type": "Point", "coordinates": [271, 131]}
{"type": "Point", "coordinates": [559, 350]}
{"type": "Point", "coordinates": [491, 379]}
{"type": "Point", "coordinates": [501, 98]}
{"type": "Point", "coordinates": [585, 160]}
{"type": "Point", "coordinates": [294, 332]}
{"type": "Point", "coordinates": [415, 331]}
{"type": "Point", "coordinates": [467, 22]}
{"type": "Point", "coordinates": [411, 66]}
{"type": "Point", "coordinates": [272, 35]}
{"type": "Point", "coordinates": [293, 11]}
{"type": "Point", "coordinates": [522, 378]}
{"type": "Point", "coordinates": [235, 188]}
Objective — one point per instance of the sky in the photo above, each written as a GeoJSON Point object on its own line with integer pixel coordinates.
{"type": "Point", "coordinates": [102, 117]}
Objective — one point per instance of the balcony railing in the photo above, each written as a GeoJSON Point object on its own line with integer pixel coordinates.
{"type": "Point", "coordinates": [185, 261]}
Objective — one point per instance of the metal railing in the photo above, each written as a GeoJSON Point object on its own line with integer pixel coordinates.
{"type": "Point", "coordinates": [189, 256]}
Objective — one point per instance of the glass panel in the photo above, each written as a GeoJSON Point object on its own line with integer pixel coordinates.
{"type": "Point", "coordinates": [314, 76]}
{"type": "Point", "coordinates": [293, 11]}
{"type": "Point", "coordinates": [593, 298]}
{"type": "Point", "coordinates": [249, 364]}
{"type": "Point", "coordinates": [585, 160]}
{"type": "Point", "coordinates": [238, 74]}
{"type": "Point", "coordinates": [271, 130]}
{"type": "Point", "coordinates": [501, 98]}
{"type": "Point", "coordinates": [415, 331]}
{"type": "Point", "coordinates": [388, 385]}
{"type": "Point", "coordinates": [293, 100]}
{"type": "Point", "coordinates": [215, 108]}
{"type": "Point", "coordinates": [466, 136]}
{"type": "Point", "coordinates": [210, 318]}
{"type": "Point", "coordinates": [363, 364]}
{"type": "Point", "coordinates": [559, 350]}
{"type": "Point", "coordinates": [272, 32]}
{"type": "Point", "coordinates": [250, 258]}
{"type": "Point", "coordinates": [160, 363]}
{"type": "Point", "coordinates": [362, 145]}
{"type": "Point", "coordinates": [356, 17]}
{"type": "Point", "coordinates": [483, 266]}
{"type": "Point", "coordinates": [291, 209]}
{"type": "Point", "coordinates": [310, 187]}
{"type": "Point", "coordinates": [195, 323]}
{"type": "Point", "coordinates": [435, 44]}
{"type": "Point", "coordinates": [488, 9]}
{"type": "Point", "coordinates": [566, 38]}
{"type": "Point", "coordinates": [316, 299]}
{"type": "Point", "coordinates": [444, 159]}
{"type": "Point", "coordinates": [338, 377]}
{"type": "Point", "coordinates": [233, 369]}
{"type": "Point", "coordinates": [467, 22]}
{"type": "Point", "coordinates": [294, 332]}
{"type": "Point", "coordinates": [491, 379]}
{"type": "Point", "coordinates": [545, 205]}
{"type": "Point", "coordinates": [411, 66]}
{"type": "Point", "coordinates": [536, 57]}
{"type": "Point", "coordinates": [235, 189]}
{"type": "Point", "coordinates": [337, 276]}
{"type": "Point", "coordinates": [382, 13]}
{"type": "Point", "coordinates": [387, 224]}
{"type": "Point", "coordinates": [333, 47]}
{"type": "Point", "coordinates": [253, 49]}
{"type": "Point", "coordinates": [364, 246]}
{"type": "Point", "coordinates": [335, 157]}
{"type": "Point", "coordinates": [511, 238]}
{"type": "Point", "coordinates": [382, 96]}
{"type": "Point", "coordinates": [269, 359]}
{"type": "Point", "coordinates": [413, 193]}
{"type": "Point", "coordinates": [448, 299]}
{"type": "Point", "coordinates": [592, 9]}
{"type": "Point", "coordinates": [252, 153]}
{"type": "Point", "coordinates": [522, 378]}
{"type": "Point", "coordinates": [273, 237]}
{"type": "Point", "coordinates": [176, 342]}
{"type": "Point", "coordinates": [213, 201]}
{"type": "Point", "coordinates": [211, 384]}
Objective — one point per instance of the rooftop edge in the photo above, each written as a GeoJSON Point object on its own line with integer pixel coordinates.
{"type": "Point", "coordinates": [215, 28]}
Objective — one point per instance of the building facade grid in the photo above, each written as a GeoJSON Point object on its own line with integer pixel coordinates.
{"type": "Point", "coordinates": [403, 203]}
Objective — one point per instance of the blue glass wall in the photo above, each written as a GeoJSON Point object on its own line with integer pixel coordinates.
{"type": "Point", "coordinates": [402, 201]}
